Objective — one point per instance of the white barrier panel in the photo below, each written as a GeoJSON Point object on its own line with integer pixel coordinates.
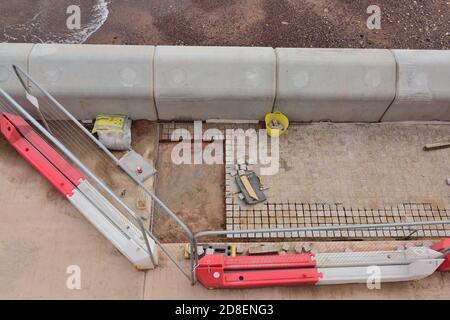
{"type": "Point", "coordinates": [423, 90]}
{"type": "Point", "coordinates": [93, 79]}
{"type": "Point", "coordinates": [334, 84]}
{"type": "Point", "coordinates": [13, 53]}
{"type": "Point", "coordinates": [199, 83]}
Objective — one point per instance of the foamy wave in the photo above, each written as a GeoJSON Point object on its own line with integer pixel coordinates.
{"type": "Point", "coordinates": [99, 16]}
{"type": "Point", "coordinates": [36, 29]}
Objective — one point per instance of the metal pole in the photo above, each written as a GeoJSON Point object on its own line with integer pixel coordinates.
{"type": "Point", "coordinates": [322, 228]}
{"type": "Point", "coordinates": [30, 98]}
{"type": "Point", "coordinates": [187, 274]}
{"type": "Point", "coordinates": [147, 243]}
{"type": "Point", "coordinates": [194, 260]}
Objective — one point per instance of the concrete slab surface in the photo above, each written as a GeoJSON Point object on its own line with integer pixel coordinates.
{"type": "Point", "coordinates": [103, 79]}
{"type": "Point", "coordinates": [200, 83]}
{"type": "Point", "coordinates": [341, 85]}
{"type": "Point", "coordinates": [421, 86]}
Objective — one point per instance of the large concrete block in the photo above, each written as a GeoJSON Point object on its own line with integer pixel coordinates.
{"type": "Point", "coordinates": [334, 84]}
{"type": "Point", "coordinates": [214, 82]}
{"type": "Point", "coordinates": [91, 79]}
{"type": "Point", "coordinates": [13, 53]}
{"type": "Point", "coordinates": [423, 89]}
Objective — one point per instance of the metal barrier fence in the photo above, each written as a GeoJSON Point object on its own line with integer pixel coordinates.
{"type": "Point", "coordinates": [323, 228]}
{"type": "Point", "coordinates": [75, 142]}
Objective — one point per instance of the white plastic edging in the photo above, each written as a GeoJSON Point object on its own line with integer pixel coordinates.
{"type": "Point", "coordinates": [423, 88]}
{"type": "Point", "coordinates": [200, 83]}
{"type": "Point", "coordinates": [334, 84]}
{"type": "Point", "coordinates": [93, 79]}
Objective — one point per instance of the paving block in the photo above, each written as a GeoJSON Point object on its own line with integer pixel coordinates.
{"type": "Point", "coordinates": [298, 248]}
{"type": "Point", "coordinates": [240, 250]}
{"type": "Point", "coordinates": [286, 246]}
{"type": "Point", "coordinates": [334, 84]}
{"type": "Point", "coordinates": [193, 83]}
{"type": "Point", "coordinates": [92, 79]}
{"type": "Point", "coordinates": [422, 86]}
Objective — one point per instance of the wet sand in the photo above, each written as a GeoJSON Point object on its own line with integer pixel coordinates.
{"type": "Point", "coordinates": [275, 23]}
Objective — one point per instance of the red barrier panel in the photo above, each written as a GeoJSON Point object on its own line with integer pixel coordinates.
{"type": "Point", "coordinates": [218, 271]}
{"type": "Point", "coordinates": [35, 158]}
{"type": "Point", "coordinates": [44, 148]}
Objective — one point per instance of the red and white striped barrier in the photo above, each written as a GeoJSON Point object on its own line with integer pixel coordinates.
{"type": "Point", "coordinates": [444, 248]}
{"type": "Point", "coordinates": [217, 271]}
{"type": "Point", "coordinates": [125, 236]}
